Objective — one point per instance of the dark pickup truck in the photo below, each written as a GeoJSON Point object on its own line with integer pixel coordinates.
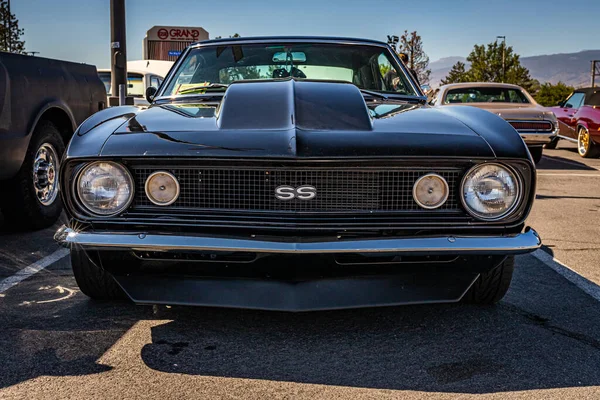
{"type": "Point", "coordinates": [42, 101]}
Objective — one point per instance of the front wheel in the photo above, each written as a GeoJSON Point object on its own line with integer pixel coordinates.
{"type": "Point", "coordinates": [92, 278]}
{"type": "Point", "coordinates": [552, 144]}
{"type": "Point", "coordinates": [585, 146]}
{"type": "Point", "coordinates": [491, 286]}
{"type": "Point", "coordinates": [536, 153]}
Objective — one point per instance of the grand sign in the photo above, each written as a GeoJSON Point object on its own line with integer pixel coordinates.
{"type": "Point", "coordinates": [177, 33]}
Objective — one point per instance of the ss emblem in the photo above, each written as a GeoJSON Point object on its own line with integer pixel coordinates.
{"type": "Point", "coordinates": [290, 193]}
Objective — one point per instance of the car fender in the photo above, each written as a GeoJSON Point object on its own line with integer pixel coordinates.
{"type": "Point", "coordinates": [91, 135]}
{"type": "Point", "coordinates": [502, 138]}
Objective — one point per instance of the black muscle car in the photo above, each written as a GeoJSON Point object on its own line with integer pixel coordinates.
{"type": "Point", "coordinates": [295, 173]}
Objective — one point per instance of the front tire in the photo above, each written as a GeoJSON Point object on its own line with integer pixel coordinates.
{"type": "Point", "coordinates": [491, 286]}
{"type": "Point", "coordinates": [553, 144]}
{"type": "Point", "coordinates": [585, 145]}
{"type": "Point", "coordinates": [536, 153]}
{"type": "Point", "coordinates": [91, 276]}
{"type": "Point", "coordinates": [31, 199]}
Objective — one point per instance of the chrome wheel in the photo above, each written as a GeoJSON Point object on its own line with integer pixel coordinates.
{"type": "Point", "coordinates": [45, 171]}
{"type": "Point", "coordinates": [583, 141]}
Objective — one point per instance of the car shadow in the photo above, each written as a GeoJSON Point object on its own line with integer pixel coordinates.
{"type": "Point", "coordinates": [546, 197]}
{"type": "Point", "coordinates": [48, 328]}
{"type": "Point", "coordinates": [550, 162]}
{"type": "Point", "coordinates": [545, 334]}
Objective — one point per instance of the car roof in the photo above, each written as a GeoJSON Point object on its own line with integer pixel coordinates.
{"type": "Point", "coordinates": [260, 39]}
{"type": "Point", "coordinates": [480, 84]}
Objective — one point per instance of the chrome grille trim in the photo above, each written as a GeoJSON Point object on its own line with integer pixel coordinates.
{"type": "Point", "coordinates": [339, 190]}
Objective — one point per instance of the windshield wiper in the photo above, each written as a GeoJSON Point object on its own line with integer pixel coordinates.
{"type": "Point", "coordinates": [202, 87]}
{"type": "Point", "coordinates": [374, 94]}
{"type": "Point", "coordinates": [394, 96]}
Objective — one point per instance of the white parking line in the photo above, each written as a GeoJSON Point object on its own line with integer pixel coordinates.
{"type": "Point", "coordinates": [575, 278]}
{"type": "Point", "coordinates": [32, 269]}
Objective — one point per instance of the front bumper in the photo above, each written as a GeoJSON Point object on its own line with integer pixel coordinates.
{"type": "Point", "coordinates": [520, 243]}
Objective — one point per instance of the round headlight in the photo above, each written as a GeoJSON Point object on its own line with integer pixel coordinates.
{"type": "Point", "coordinates": [162, 188]}
{"type": "Point", "coordinates": [105, 188]}
{"type": "Point", "coordinates": [490, 191]}
{"type": "Point", "coordinates": [430, 191]}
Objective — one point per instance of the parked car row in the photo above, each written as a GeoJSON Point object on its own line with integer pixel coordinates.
{"type": "Point", "coordinates": [579, 117]}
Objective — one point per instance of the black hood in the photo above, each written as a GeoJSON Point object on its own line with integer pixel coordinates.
{"type": "Point", "coordinates": [302, 119]}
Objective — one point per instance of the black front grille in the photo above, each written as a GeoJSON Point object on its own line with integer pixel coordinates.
{"type": "Point", "coordinates": [338, 190]}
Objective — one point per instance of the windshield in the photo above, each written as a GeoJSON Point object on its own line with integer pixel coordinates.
{"type": "Point", "coordinates": [212, 68]}
{"type": "Point", "coordinates": [485, 95]}
{"type": "Point", "coordinates": [135, 83]}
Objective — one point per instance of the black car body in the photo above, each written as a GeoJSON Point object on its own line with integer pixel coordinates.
{"type": "Point", "coordinates": [296, 194]}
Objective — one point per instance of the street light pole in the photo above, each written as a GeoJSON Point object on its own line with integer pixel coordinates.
{"type": "Point", "coordinates": [503, 56]}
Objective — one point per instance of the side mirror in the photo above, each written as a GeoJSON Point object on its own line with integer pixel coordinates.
{"type": "Point", "coordinates": [150, 92]}
{"type": "Point", "coordinates": [560, 103]}
{"type": "Point", "coordinates": [426, 89]}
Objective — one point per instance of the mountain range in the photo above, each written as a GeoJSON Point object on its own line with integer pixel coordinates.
{"type": "Point", "coordinates": [570, 68]}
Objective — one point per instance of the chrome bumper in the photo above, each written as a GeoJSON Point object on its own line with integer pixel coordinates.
{"type": "Point", "coordinates": [459, 245]}
{"type": "Point", "coordinates": [537, 137]}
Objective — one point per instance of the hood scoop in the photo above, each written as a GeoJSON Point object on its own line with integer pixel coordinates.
{"type": "Point", "coordinates": [290, 104]}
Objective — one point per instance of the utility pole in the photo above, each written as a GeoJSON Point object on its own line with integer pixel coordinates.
{"type": "Point", "coordinates": [8, 32]}
{"type": "Point", "coordinates": [118, 53]}
{"type": "Point", "coordinates": [503, 56]}
{"type": "Point", "coordinates": [393, 41]}
{"type": "Point", "coordinates": [595, 71]}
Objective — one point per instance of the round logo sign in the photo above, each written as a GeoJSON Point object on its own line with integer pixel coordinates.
{"type": "Point", "coordinates": [163, 33]}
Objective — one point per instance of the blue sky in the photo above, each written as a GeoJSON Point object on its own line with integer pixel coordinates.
{"type": "Point", "coordinates": [78, 30]}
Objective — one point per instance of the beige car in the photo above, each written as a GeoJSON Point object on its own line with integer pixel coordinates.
{"type": "Point", "coordinates": [536, 125]}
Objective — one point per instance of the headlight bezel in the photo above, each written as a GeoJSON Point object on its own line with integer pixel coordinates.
{"type": "Point", "coordinates": [76, 187]}
{"type": "Point", "coordinates": [511, 210]}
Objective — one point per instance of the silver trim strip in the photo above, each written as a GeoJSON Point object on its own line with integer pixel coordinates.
{"type": "Point", "coordinates": [521, 243]}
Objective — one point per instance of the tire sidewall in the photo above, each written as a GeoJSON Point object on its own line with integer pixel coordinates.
{"type": "Point", "coordinates": [45, 132]}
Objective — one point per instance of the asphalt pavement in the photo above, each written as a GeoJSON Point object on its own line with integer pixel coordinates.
{"type": "Point", "coordinates": [542, 341]}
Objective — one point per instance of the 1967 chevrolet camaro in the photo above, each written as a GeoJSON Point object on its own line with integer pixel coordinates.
{"type": "Point", "coordinates": [295, 173]}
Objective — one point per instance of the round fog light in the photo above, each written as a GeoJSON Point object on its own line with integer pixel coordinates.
{"type": "Point", "coordinates": [430, 191]}
{"type": "Point", "coordinates": [162, 188]}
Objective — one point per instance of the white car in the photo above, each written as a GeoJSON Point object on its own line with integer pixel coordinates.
{"type": "Point", "coordinates": [536, 125]}
{"type": "Point", "coordinates": [141, 74]}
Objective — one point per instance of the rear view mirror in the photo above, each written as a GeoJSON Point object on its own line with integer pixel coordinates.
{"type": "Point", "coordinates": [150, 92]}
{"type": "Point", "coordinates": [296, 56]}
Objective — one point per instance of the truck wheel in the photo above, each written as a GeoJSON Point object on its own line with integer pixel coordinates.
{"type": "Point", "coordinates": [552, 144]}
{"type": "Point", "coordinates": [536, 153]}
{"type": "Point", "coordinates": [585, 145]}
{"type": "Point", "coordinates": [91, 277]}
{"type": "Point", "coordinates": [491, 286]}
{"type": "Point", "coordinates": [31, 199]}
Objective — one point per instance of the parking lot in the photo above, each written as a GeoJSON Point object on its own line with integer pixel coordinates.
{"type": "Point", "coordinates": [541, 341]}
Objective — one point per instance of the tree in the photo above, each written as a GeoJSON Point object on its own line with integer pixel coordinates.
{"type": "Point", "coordinates": [486, 66]}
{"type": "Point", "coordinates": [457, 74]}
{"type": "Point", "coordinates": [411, 44]}
{"type": "Point", "coordinates": [235, 35]}
{"type": "Point", "coordinates": [10, 33]}
{"type": "Point", "coordinates": [549, 94]}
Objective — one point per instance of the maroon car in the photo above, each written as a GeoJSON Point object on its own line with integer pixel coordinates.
{"type": "Point", "coordinates": [579, 120]}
